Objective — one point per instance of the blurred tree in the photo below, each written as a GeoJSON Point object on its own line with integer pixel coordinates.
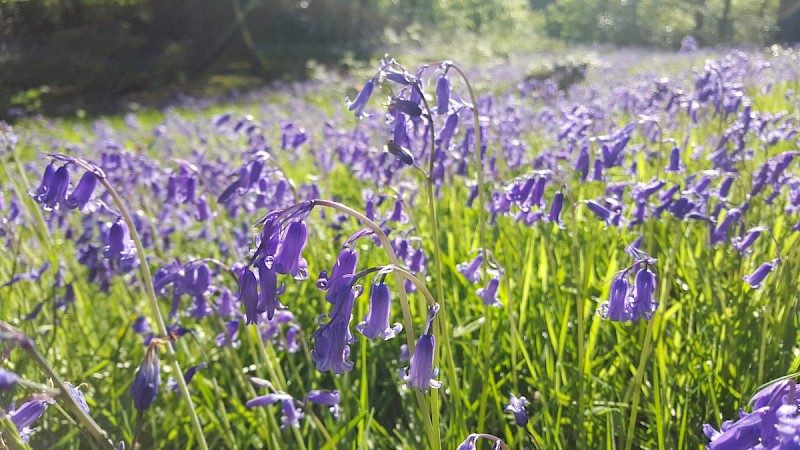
{"type": "Point", "coordinates": [789, 20]}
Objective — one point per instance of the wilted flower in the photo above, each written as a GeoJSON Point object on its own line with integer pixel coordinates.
{"type": "Point", "coordinates": [422, 374]}
{"type": "Point", "coordinates": [148, 378]}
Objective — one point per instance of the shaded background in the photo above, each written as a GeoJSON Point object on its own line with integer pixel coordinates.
{"type": "Point", "coordinates": [59, 56]}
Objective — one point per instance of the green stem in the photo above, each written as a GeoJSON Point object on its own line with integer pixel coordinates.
{"type": "Point", "coordinates": [637, 381]}
{"type": "Point", "coordinates": [152, 300]}
{"type": "Point", "coordinates": [99, 435]}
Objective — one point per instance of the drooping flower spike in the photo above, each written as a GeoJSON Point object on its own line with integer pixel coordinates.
{"type": "Point", "coordinates": [376, 322]}
{"type": "Point", "coordinates": [147, 381]}
{"type": "Point", "coordinates": [421, 374]}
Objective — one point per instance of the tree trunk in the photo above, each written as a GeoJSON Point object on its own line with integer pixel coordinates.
{"type": "Point", "coordinates": [725, 23]}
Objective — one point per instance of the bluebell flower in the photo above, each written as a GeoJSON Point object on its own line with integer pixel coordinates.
{"type": "Point", "coordinates": [470, 443]}
{"type": "Point", "coordinates": [517, 405]}
{"type": "Point", "coordinates": [489, 293]}
{"type": "Point", "coordinates": [40, 194]}
{"type": "Point", "coordinates": [248, 295]}
{"type": "Point", "coordinates": [421, 374]}
{"type": "Point", "coordinates": [376, 322]}
{"type": "Point", "coordinates": [442, 95]}
{"type": "Point", "coordinates": [675, 163]}
{"type": "Point", "coordinates": [148, 378]}
{"type": "Point", "coordinates": [470, 270]}
{"type": "Point", "coordinates": [345, 264]}
{"type": "Point", "coordinates": [120, 247]}
{"type": "Point", "coordinates": [361, 100]}
{"type": "Point", "coordinates": [82, 193]}
{"type": "Point", "coordinates": [8, 379]}
{"type": "Point", "coordinates": [291, 415]}
{"type": "Point", "coordinates": [229, 337]}
{"type": "Point", "coordinates": [332, 340]}
{"type": "Point", "coordinates": [555, 208]}
{"type": "Point", "coordinates": [643, 305]}
{"type": "Point", "coordinates": [582, 162]}
{"type": "Point", "coordinates": [26, 414]}
{"type": "Point", "coordinates": [266, 400]}
{"type": "Point", "coordinates": [325, 398]}
{"type": "Point", "coordinates": [742, 244]}
{"type": "Point", "coordinates": [448, 130]}
{"type": "Point", "coordinates": [77, 396]}
{"type": "Point", "coordinates": [268, 295]}
{"type": "Point", "coordinates": [757, 277]}
{"type": "Point", "coordinates": [289, 257]}
{"type": "Point", "coordinates": [617, 307]}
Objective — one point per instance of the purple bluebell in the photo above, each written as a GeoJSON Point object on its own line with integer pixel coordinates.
{"type": "Point", "coordinates": [555, 208]}
{"type": "Point", "coordinates": [643, 304]}
{"type": "Point", "coordinates": [617, 308]}
{"type": "Point", "coordinates": [291, 415]}
{"type": "Point", "coordinates": [248, 295]}
{"type": "Point", "coordinates": [8, 379]}
{"type": "Point", "coordinates": [357, 105]}
{"type": "Point", "coordinates": [376, 322]}
{"type": "Point", "coordinates": [119, 246]}
{"type": "Point", "coordinates": [289, 257]}
{"type": "Point", "coordinates": [268, 295]}
{"type": "Point", "coordinates": [517, 406]}
{"type": "Point", "coordinates": [470, 443]}
{"type": "Point", "coordinates": [146, 383]}
{"type": "Point", "coordinates": [332, 340]}
{"type": "Point", "coordinates": [325, 398]}
{"type": "Point", "coordinates": [442, 95]}
{"type": "Point", "coordinates": [345, 264]}
{"type": "Point", "coordinates": [53, 190]}
{"type": "Point", "coordinates": [77, 397]}
{"type": "Point", "coordinates": [742, 244]}
{"type": "Point", "coordinates": [600, 211]}
{"type": "Point", "coordinates": [489, 293]}
{"type": "Point", "coordinates": [26, 414]}
{"type": "Point", "coordinates": [582, 162]}
{"type": "Point", "coordinates": [422, 374]}
{"type": "Point", "coordinates": [82, 193]}
{"type": "Point", "coordinates": [675, 163]}
{"type": "Point", "coordinates": [757, 277]}
{"type": "Point", "coordinates": [448, 130]}
{"type": "Point", "coordinates": [725, 186]}
{"type": "Point", "coordinates": [471, 270]}
{"type": "Point", "coordinates": [266, 400]}
{"type": "Point", "coordinates": [40, 194]}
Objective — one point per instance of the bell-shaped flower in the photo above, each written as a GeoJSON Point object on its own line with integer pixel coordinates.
{"type": "Point", "coordinates": [357, 105]}
{"type": "Point", "coordinates": [471, 270]}
{"type": "Point", "coordinates": [643, 304]}
{"type": "Point", "coordinates": [291, 415]}
{"type": "Point", "coordinates": [421, 374]}
{"type": "Point", "coordinates": [757, 277]}
{"type": "Point", "coordinates": [120, 247]}
{"type": "Point", "coordinates": [517, 405]}
{"type": "Point", "coordinates": [376, 322]}
{"type": "Point", "coordinates": [489, 293]}
{"type": "Point", "coordinates": [268, 282]}
{"type": "Point", "coordinates": [248, 295]}
{"type": "Point", "coordinates": [442, 95]}
{"type": "Point", "coordinates": [82, 193]}
{"type": "Point", "coordinates": [289, 258]}
{"type": "Point", "coordinates": [617, 307]}
{"type": "Point", "coordinates": [332, 340]}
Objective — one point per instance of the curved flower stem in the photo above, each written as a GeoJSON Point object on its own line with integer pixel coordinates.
{"type": "Point", "coordinates": [99, 435]}
{"type": "Point", "coordinates": [433, 435]}
{"type": "Point", "coordinates": [419, 284]}
{"type": "Point", "coordinates": [438, 330]}
{"type": "Point", "coordinates": [152, 300]}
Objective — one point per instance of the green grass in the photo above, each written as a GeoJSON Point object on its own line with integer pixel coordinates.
{"type": "Point", "coordinates": [710, 346]}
